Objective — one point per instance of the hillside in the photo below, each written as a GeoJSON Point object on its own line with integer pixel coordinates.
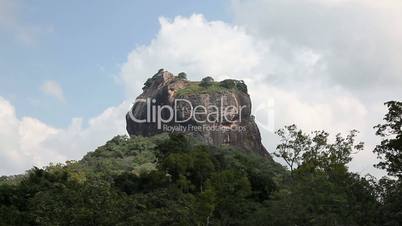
{"type": "Point", "coordinates": [158, 180]}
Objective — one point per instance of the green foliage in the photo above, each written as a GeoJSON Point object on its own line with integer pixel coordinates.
{"type": "Point", "coordinates": [390, 148]}
{"type": "Point", "coordinates": [182, 76]}
{"type": "Point", "coordinates": [320, 190]}
{"type": "Point", "coordinates": [121, 154]}
{"type": "Point", "coordinates": [391, 198]}
{"type": "Point", "coordinates": [207, 81]}
{"type": "Point", "coordinates": [195, 88]}
{"type": "Point", "coordinates": [208, 86]}
{"type": "Point", "coordinates": [189, 184]}
{"type": "Point", "coordinates": [242, 86]}
{"type": "Point", "coordinates": [314, 151]}
{"type": "Point", "coordinates": [389, 152]}
{"type": "Point", "coordinates": [234, 84]}
{"type": "Point", "coordinates": [148, 83]}
{"type": "Point", "coordinates": [228, 83]}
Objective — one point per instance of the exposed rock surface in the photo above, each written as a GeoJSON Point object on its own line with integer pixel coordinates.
{"type": "Point", "coordinates": [230, 124]}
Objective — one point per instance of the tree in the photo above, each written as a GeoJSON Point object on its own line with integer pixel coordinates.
{"type": "Point", "coordinates": [232, 189]}
{"type": "Point", "coordinates": [242, 86]}
{"type": "Point", "coordinates": [182, 76]}
{"type": "Point", "coordinates": [294, 143]}
{"type": "Point", "coordinates": [389, 151]}
{"type": "Point", "coordinates": [147, 83]}
{"type": "Point", "coordinates": [313, 150]}
{"type": "Point", "coordinates": [207, 81]}
{"type": "Point", "coordinates": [228, 83]}
{"type": "Point", "coordinates": [391, 200]}
{"type": "Point", "coordinates": [321, 191]}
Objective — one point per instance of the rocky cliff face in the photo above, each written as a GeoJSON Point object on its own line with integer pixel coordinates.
{"type": "Point", "coordinates": [217, 113]}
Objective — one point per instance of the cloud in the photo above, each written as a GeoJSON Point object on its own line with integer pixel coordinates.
{"type": "Point", "coordinates": [289, 82]}
{"type": "Point", "coordinates": [20, 140]}
{"type": "Point", "coordinates": [28, 142]}
{"type": "Point", "coordinates": [193, 45]}
{"type": "Point", "coordinates": [53, 89]}
{"type": "Point", "coordinates": [360, 41]}
{"type": "Point", "coordinates": [76, 140]}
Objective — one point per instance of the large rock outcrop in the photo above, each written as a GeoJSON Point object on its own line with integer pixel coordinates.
{"type": "Point", "coordinates": [217, 113]}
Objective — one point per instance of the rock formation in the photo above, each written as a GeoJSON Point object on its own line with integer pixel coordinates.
{"type": "Point", "coordinates": [217, 113]}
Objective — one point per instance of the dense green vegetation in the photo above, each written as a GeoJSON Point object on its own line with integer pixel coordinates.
{"type": "Point", "coordinates": [207, 86]}
{"type": "Point", "coordinates": [161, 180]}
{"type": "Point", "coordinates": [196, 88]}
{"type": "Point", "coordinates": [174, 180]}
{"type": "Point", "coordinates": [182, 76]}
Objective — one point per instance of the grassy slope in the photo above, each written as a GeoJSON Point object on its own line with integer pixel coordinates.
{"type": "Point", "coordinates": [138, 155]}
{"type": "Point", "coordinates": [195, 88]}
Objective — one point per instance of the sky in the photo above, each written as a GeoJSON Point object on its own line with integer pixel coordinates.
{"type": "Point", "coordinates": [69, 71]}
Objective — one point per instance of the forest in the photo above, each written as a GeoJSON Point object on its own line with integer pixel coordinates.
{"type": "Point", "coordinates": [176, 180]}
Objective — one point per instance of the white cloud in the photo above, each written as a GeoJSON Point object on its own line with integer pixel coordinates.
{"type": "Point", "coordinates": [52, 88]}
{"type": "Point", "coordinates": [76, 140]}
{"type": "Point", "coordinates": [28, 142]}
{"type": "Point", "coordinates": [193, 45]}
{"type": "Point", "coordinates": [360, 41]}
{"type": "Point", "coordinates": [20, 140]}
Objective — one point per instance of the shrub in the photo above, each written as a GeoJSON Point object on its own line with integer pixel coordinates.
{"type": "Point", "coordinates": [182, 76]}
{"type": "Point", "coordinates": [228, 83]}
{"type": "Point", "coordinates": [242, 86]}
{"type": "Point", "coordinates": [147, 84]}
{"type": "Point", "coordinates": [207, 81]}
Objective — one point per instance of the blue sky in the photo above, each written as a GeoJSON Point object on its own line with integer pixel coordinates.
{"type": "Point", "coordinates": [80, 45]}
